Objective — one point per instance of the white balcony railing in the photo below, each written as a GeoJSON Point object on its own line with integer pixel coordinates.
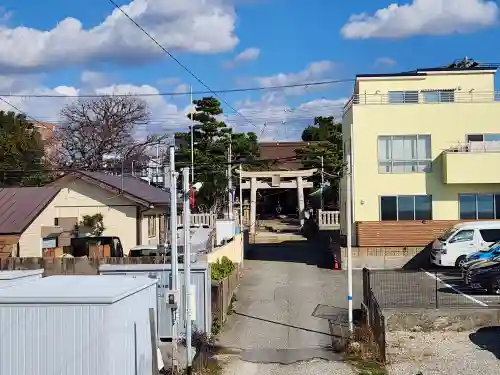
{"type": "Point", "coordinates": [422, 97]}
{"type": "Point", "coordinates": [486, 146]}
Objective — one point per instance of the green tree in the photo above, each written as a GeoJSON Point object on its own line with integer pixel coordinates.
{"type": "Point", "coordinates": [21, 152]}
{"type": "Point", "coordinates": [325, 139]}
{"type": "Point", "coordinates": [211, 144]}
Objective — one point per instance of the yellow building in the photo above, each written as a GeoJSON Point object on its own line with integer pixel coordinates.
{"type": "Point", "coordinates": [425, 152]}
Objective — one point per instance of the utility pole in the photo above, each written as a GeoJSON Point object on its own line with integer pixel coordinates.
{"type": "Point", "coordinates": [187, 267]}
{"type": "Point", "coordinates": [322, 181]}
{"type": "Point", "coordinates": [348, 233]}
{"type": "Point", "coordinates": [173, 241]}
{"type": "Point", "coordinates": [230, 179]}
{"type": "Point", "coordinates": [241, 199]}
{"type": "Point", "coordinates": [192, 134]}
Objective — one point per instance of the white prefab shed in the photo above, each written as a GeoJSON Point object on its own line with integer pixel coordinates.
{"type": "Point", "coordinates": [78, 325]}
{"type": "Point", "coordinates": [11, 278]}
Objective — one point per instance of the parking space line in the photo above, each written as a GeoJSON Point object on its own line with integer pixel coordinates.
{"type": "Point", "coordinates": [481, 303]}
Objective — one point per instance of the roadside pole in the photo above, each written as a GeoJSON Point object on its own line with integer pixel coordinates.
{"type": "Point", "coordinates": [230, 180]}
{"type": "Point", "coordinates": [187, 267]}
{"type": "Point", "coordinates": [192, 134]}
{"type": "Point", "coordinates": [348, 233]}
{"type": "Point", "coordinates": [173, 242]}
{"type": "Point", "coordinates": [322, 181]}
{"type": "Point", "coordinates": [242, 229]}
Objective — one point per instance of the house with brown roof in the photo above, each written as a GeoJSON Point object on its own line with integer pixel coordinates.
{"type": "Point", "coordinates": [22, 211]}
{"type": "Point", "coordinates": [35, 219]}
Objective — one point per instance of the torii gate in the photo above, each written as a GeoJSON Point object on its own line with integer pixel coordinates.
{"type": "Point", "coordinates": [276, 180]}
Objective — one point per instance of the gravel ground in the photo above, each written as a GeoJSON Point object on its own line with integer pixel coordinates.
{"type": "Point", "coordinates": [235, 366]}
{"type": "Point", "coordinates": [437, 353]}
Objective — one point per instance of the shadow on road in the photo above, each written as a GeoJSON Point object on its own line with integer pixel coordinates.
{"type": "Point", "coordinates": [487, 339]}
{"type": "Point", "coordinates": [307, 252]}
{"type": "Point", "coordinates": [284, 324]}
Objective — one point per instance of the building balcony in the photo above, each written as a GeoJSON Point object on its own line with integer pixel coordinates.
{"type": "Point", "coordinates": [472, 163]}
{"type": "Point", "coordinates": [422, 97]}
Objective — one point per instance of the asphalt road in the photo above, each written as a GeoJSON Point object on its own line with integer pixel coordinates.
{"type": "Point", "coordinates": [282, 311]}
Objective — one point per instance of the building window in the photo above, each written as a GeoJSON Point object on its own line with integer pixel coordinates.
{"type": "Point", "coordinates": [439, 96]}
{"type": "Point", "coordinates": [404, 154]}
{"type": "Point", "coordinates": [151, 226]}
{"type": "Point", "coordinates": [483, 137]}
{"type": "Point", "coordinates": [479, 206]}
{"type": "Point", "coordinates": [402, 97]}
{"type": "Point", "coordinates": [406, 207]}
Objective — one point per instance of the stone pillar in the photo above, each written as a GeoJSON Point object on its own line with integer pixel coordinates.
{"type": "Point", "coordinates": [253, 204]}
{"type": "Point", "coordinates": [300, 199]}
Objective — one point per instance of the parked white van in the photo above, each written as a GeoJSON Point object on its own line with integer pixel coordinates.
{"type": "Point", "coordinates": [452, 247]}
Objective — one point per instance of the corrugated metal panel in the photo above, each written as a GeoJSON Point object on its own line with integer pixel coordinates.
{"type": "Point", "coordinates": [200, 276]}
{"type": "Point", "coordinates": [79, 338]}
{"type": "Point", "coordinates": [20, 206]}
{"type": "Point", "coordinates": [11, 278]}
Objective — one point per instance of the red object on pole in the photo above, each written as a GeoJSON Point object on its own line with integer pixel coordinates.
{"type": "Point", "coordinates": [192, 198]}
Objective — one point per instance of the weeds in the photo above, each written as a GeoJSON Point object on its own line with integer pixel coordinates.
{"type": "Point", "coordinates": [363, 353]}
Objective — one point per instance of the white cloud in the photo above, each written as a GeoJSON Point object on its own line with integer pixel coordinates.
{"type": "Point", "coordinates": [313, 72]}
{"type": "Point", "coordinates": [199, 26]}
{"type": "Point", "coordinates": [274, 120]}
{"type": "Point", "coordinates": [423, 17]}
{"type": "Point", "coordinates": [385, 61]}
{"type": "Point", "coordinates": [93, 79]}
{"type": "Point", "coordinates": [250, 54]}
{"type": "Point", "coordinates": [271, 117]}
{"type": "Point", "coordinates": [181, 88]}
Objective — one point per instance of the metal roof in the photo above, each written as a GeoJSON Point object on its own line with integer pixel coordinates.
{"type": "Point", "coordinates": [20, 206]}
{"type": "Point", "coordinates": [19, 274]}
{"type": "Point", "coordinates": [135, 187]}
{"type": "Point", "coordinates": [75, 290]}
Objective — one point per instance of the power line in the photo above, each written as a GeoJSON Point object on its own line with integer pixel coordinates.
{"type": "Point", "coordinates": [180, 63]}
{"type": "Point", "coordinates": [221, 91]}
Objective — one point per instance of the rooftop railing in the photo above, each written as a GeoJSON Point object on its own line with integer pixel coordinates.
{"type": "Point", "coordinates": [423, 97]}
{"type": "Point", "coordinates": [486, 146]}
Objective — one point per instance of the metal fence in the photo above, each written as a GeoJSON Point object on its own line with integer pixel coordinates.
{"type": "Point", "coordinates": [421, 289]}
{"type": "Point", "coordinates": [374, 316]}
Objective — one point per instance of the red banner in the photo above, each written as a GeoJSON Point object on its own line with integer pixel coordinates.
{"type": "Point", "coordinates": [192, 198]}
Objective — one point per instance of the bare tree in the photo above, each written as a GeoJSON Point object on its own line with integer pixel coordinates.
{"type": "Point", "coordinates": [97, 128]}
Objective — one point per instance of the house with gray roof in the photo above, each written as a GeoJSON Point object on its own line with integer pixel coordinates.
{"type": "Point", "coordinates": [132, 209]}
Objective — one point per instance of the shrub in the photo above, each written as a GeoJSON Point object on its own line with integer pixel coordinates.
{"type": "Point", "coordinates": [221, 269]}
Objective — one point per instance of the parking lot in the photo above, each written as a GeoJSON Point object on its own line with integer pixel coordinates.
{"type": "Point", "coordinates": [426, 289]}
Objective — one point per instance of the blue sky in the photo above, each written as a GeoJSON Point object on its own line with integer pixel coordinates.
{"type": "Point", "coordinates": [72, 48]}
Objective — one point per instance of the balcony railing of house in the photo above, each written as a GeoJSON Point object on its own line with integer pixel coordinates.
{"type": "Point", "coordinates": [423, 97]}
{"type": "Point", "coordinates": [486, 146]}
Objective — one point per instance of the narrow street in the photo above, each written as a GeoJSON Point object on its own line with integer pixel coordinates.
{"type": "Point", "coordinates": [280, 324]}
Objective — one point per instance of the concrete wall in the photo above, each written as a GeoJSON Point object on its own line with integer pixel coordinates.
{"type": "Point", "coordinates": [455, 319]}
{"type": "Point", "coordinates": [384, 257]}
{"type": "Point", "coordinates": [233, 250]}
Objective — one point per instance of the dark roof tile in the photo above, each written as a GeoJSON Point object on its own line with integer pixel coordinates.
{"type": "Point", "coordinates": [20, 206]}
{"type": "Point", "coordinates": [132, 186]}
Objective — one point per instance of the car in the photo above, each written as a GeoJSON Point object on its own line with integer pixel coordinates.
{"type": "Point", "coordinates": [452, 248]}
{"type": "Point", "coordinates": [481, 256]}
{"type": "Point", "coordinates": [485, 275]}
